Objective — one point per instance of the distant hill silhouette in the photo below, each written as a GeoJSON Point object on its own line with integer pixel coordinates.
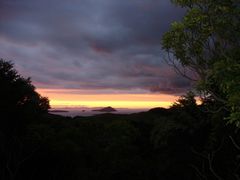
{"type": "Point", "coordinates": [106, 109]}
{"type": "Point", "coordinates": [58, 111]}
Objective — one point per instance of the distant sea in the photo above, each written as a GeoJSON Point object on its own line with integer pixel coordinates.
{"type": "Point", "coordinates": [86, 111]}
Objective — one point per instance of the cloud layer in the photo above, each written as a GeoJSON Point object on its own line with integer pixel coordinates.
{"type": "Point", "coordinates": [100, 45]}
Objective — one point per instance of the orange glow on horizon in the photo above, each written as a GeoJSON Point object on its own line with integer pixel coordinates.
{"type": "Point", "coordinates": [63, 97]}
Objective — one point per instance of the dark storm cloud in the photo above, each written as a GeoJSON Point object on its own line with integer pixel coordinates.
{"type": "Point", "coordinates": [90, 44]}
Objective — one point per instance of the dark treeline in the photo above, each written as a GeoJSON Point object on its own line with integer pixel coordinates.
{"type": "Point", "coordinates": [186, 141]}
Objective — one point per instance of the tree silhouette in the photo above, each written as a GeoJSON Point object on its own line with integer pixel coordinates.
{"type": "Point", "coordinates": [206, 43]}
{"type": "Point", "coordinates": [19, 100]}
{"type": "Point", "coordinates": [20, 104]}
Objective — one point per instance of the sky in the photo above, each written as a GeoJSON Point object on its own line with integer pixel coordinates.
{"type": "Point", "coordinates": [93, 52]}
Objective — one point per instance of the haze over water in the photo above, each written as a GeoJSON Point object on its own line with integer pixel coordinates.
{"type": "Point", "coordinates": [86, 111]}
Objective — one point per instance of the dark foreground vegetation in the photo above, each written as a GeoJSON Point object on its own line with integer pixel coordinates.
{"type": "Point", "coordinates": [184, 142]}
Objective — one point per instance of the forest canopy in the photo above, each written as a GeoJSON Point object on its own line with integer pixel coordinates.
{"type": "Point", "coordinates": [186, 141]}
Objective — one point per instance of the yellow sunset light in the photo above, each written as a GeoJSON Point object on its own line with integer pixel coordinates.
{"type": "Point", "coordinates": [70, 98]}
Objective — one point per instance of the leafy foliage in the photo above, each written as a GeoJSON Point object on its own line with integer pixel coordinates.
{"type": "Point", "coordinates": [182, 142]}
{"type": "Point", "coordinates": [186, 141]}
{"type": "Point", "coordinates": [206, 42]}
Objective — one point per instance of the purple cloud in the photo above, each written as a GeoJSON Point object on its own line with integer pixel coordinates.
{"type": "Point", "coordinates": [90, 44]}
